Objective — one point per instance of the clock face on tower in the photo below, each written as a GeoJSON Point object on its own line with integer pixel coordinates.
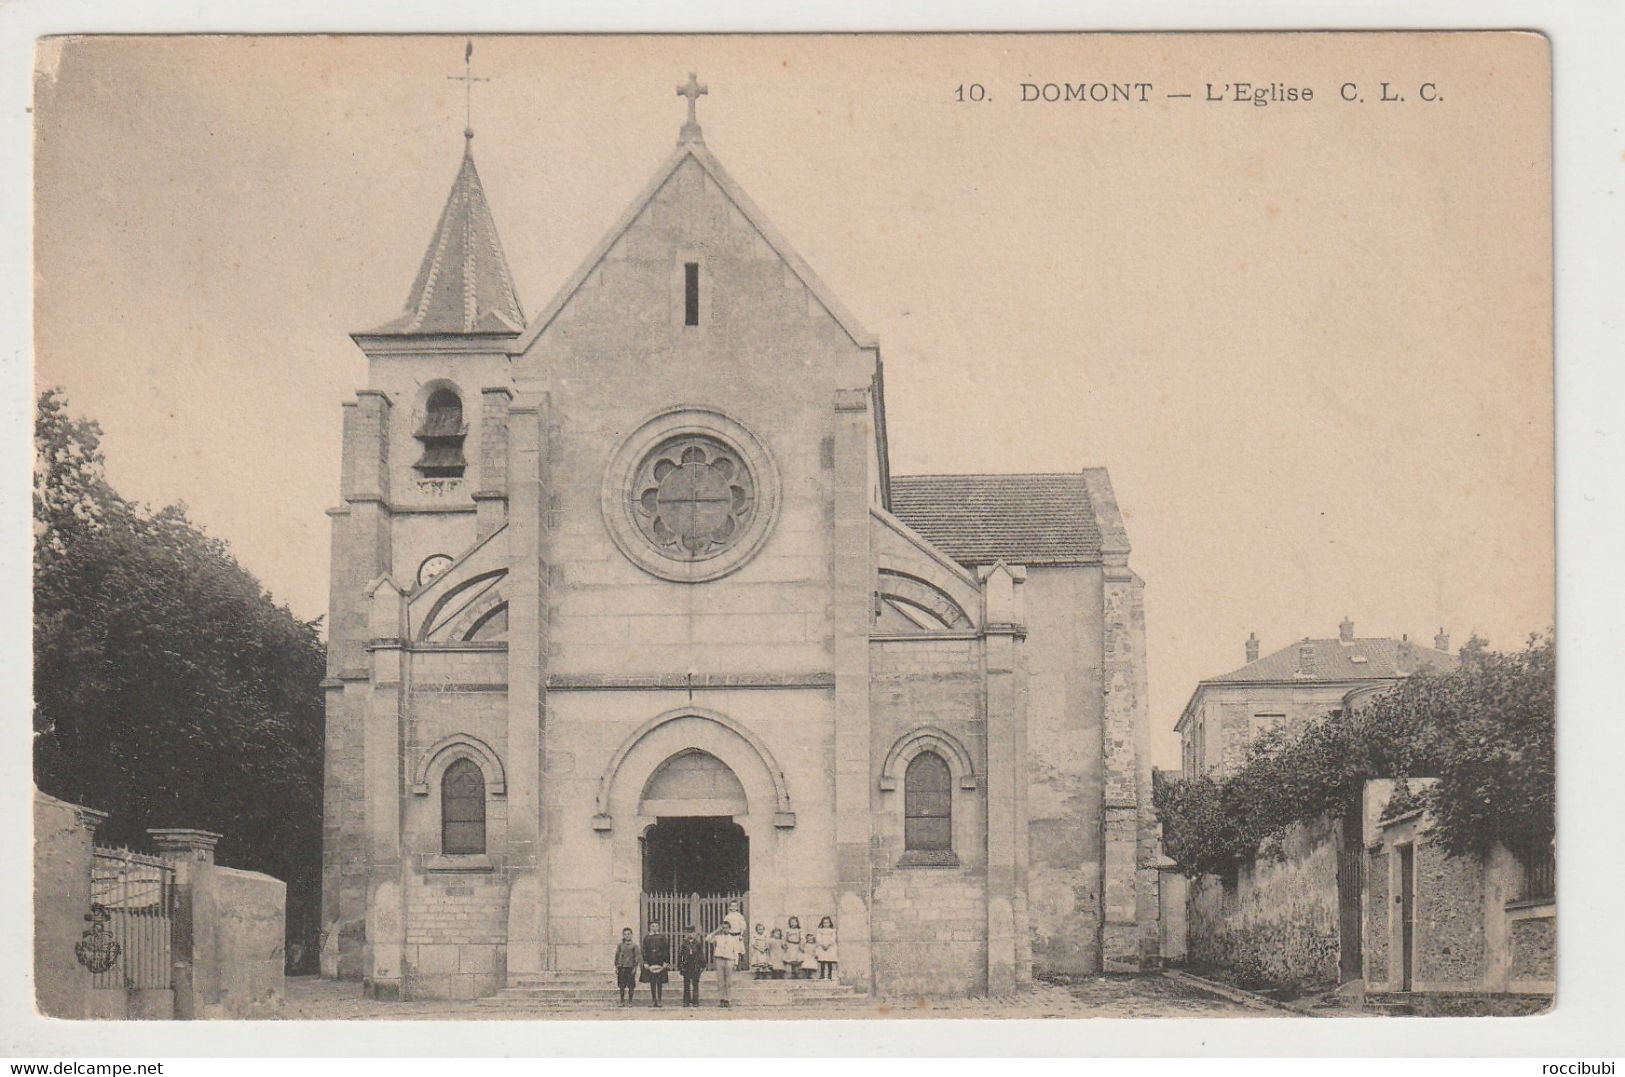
{"type": "Point", "coordinates": [432, 566]}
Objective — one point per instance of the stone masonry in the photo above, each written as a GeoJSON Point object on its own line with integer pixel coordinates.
{"type": "Point", "coordinates": [656, 519]}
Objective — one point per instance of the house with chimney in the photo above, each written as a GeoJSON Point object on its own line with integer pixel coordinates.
{"type": "Point", "coordinates": [1292, 686]}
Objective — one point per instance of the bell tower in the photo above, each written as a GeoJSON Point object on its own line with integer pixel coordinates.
{"type": "Point", "coordinates": [424, 478]}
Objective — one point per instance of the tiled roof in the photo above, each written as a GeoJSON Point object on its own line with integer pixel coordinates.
{"type": "Point", "coordinates": [1334, 660]}
{"type": "Point", "coordinates": [1020, 519]}
{"type": "Point", "coordinates": [463, 285]}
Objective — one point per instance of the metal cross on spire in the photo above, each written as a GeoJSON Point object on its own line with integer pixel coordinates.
{"type": "Point", "coordinates": [694, 89]}
{"type": "Point", "coordinates": [468, 80]}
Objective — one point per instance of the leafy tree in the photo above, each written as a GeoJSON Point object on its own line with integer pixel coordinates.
{"type": "Point", "coordinates": [1486, 730]}
{"type": "Point", "coordinates": [1494, 748]}
{"type": "Point", "coordinates": [170, 690]}
{"type": "Point", "coordinates": [1197, 832]}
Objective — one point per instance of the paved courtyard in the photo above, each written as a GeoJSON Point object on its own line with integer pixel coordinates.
{"type": "Point", "coordinates": [1151, 995]}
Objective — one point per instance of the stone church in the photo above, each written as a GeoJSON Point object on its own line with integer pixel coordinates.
{"type": "Point", "coordinates": [629, 615]}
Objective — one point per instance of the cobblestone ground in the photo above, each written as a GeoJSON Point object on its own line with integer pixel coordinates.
{"type": "Point", "coordinates": [1151, 995]}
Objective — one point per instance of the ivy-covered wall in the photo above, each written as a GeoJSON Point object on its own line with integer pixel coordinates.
{"type": "Point", "coordinates": [1276, 925]}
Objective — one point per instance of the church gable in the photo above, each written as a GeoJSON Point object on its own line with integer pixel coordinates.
{"type": "Point", "coordinates": [693, 249]}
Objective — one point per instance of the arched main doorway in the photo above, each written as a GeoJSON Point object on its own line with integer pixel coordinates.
{"type": "Point", "coordinates": [695, 857]}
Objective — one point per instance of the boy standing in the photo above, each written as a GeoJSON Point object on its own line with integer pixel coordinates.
{"type": "Point", "coordinates": [728, 946]}
{"type": "Point", "coordinates": [691, 962]}
{"type": "Point", "coordinates": [627, 960]}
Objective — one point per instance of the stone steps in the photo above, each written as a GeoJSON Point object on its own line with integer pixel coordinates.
{"type": "Point", "coordinates": [591, 990]}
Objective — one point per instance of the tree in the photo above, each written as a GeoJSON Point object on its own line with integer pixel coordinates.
{"type": "Point", "coordinates": [1486, 730]}
{"type": "Point", "coordinates": [170, 690]}
{"type": "Point", "coordinates": [1494, 747]}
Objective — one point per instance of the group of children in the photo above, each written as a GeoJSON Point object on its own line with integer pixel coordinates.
{"type": "Point", "coordinates": [790, 953]}
{"type": "Point", "coordinates": [786, 953]}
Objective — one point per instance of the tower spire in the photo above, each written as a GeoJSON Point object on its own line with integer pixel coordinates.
{"type": "Point", "coordinates": [468, 80]}
{"type": "Point", "coordinates": [463, 284]}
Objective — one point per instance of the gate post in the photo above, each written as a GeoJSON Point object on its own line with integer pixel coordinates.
{"type": "Point", "coordinates": [193, 946]}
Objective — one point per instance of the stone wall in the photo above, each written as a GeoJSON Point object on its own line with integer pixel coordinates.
{"type": "Point", "coordinates": [1374, 945]}
{"type": "Point", "coordinates": [227, 927]}
{"type": "Point", "coordinates": [1063, 652]}
{"type": "Point", "coordinates": [929, 922]}
{"type": "Point", "coordinates": [930, 932]}
{"type": "Point", "coordinates": [1474, 937]}
{"type": "Point", "coordinates": [1534, 947]}
{"type": "Point", "coordinates": [1449, 917]}
{"type": "Point", "coordinates": [1276, 925]}
{"type": "Point", "coordinates": [251, 923]}
{"type": "Point", "coordinates": [63, 834]}
{"type": "Point", "coordinates": [1173, 896]}
{"type": "Point", "coordinates": [456, 934]}
{"type": "Point", "coordinates": [456, 908]}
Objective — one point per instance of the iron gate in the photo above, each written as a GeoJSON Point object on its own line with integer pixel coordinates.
{"type": "Point", "coordinates": [136, 895]}
{"type": "Point", "coordinates": [675, 912]}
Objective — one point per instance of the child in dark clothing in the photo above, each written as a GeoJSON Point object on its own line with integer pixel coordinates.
{"type": "Point", "coordinates": [656, 961]}
{"type": "Point", "coordinates": [691, 957]}
{"type": "Point", "coordinates": [627, 959]}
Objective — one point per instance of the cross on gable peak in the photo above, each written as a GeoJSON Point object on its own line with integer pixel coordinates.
{"type": "Point", "coordinates": [693, 89]}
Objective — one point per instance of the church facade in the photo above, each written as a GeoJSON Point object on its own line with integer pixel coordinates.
{"type": "Point", "coordinates": [629, 615]}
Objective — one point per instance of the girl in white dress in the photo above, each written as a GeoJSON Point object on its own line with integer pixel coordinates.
{"type": "Point", "coordinates": [761, 953]}
{"type": "Point", "coordinates": [776, 954]}
{"type": "Point", "coordinates": [809, 954]}
{"type": "Point", "coordinates": [792, 948]}
{"type": "Point", "coordinates": [826, 949]}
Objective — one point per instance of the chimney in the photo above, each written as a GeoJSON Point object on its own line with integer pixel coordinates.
{"type": "Point", "coordinates": [1405, 660]}
{"type": "Point", "coordinates": [1252, 646]}
{"type": "Point", "coordinates": [1442, 640]}
{"type": "Point", "coordinates": [1306, 658]}
{"type": "Point", "coordinates": [1345, 631]}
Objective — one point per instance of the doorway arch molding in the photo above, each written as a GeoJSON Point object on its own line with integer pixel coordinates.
{"type": "Point", "coordinates": [682, 728]}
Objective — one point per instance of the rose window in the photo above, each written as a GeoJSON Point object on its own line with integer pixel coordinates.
{"type": "Point", "coordinates": [693, 497]}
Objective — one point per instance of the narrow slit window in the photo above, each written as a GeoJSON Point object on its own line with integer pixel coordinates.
{"type": "Point", "coordinates": [691, 293]}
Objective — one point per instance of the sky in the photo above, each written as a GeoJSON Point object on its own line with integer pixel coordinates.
{"type": "Point", "coordinates": [1310, 340]}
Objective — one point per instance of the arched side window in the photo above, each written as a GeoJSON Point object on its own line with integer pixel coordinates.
{"type": "Point", "coordinates": [927, 805]}
{"type": "Point", "coordinates": [442, 435]}
{"type": "Point", "coordinates": [462, 809]}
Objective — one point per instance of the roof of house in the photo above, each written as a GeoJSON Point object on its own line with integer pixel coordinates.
{"type": "Point", "coordinates": [1044, 519]}
{"type": "Point", "coordinates": [463, 285]}
{"type": "Point", "coordinates": [1335, 660]}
